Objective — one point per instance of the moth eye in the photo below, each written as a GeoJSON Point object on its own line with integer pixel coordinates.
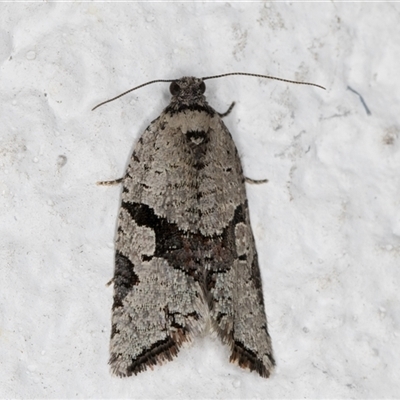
{"type": "Point", "coordinates": [202, 87]}
{"type": "Point", "coordinates": [174, 88]}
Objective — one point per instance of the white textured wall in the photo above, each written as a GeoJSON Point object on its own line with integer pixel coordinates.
{"type": "Point", "coordinates": [327, 224]}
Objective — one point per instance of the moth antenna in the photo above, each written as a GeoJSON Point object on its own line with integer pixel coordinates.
{"type": "Point", "coordinates": [131, 90]}
{"type": "Point", "coordinates": [263, 76]}
{"type": "Point", "coordinates": [209, 77]}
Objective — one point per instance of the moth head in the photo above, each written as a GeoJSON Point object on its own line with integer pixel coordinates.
{"type": "Point", "coordinates": [188, 89]}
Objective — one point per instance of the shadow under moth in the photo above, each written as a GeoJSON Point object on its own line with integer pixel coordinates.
{"type": "Point", "coordinates": [185, 257]}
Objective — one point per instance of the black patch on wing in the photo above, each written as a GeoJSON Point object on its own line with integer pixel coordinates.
{"type": "Point", "coordinates": [197, 137]}
{"type": "Point", "coordinates": [124, 278]}
{"type": "Point", "coordinates": [198, 142]}
{"type": "Point", "coordinates": [186, 251]}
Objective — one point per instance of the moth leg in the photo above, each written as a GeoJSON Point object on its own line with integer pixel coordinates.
{"type": "Point", "coordinates": [222, 115]}
{"type": "Point", "coordinates": [255, 181]}
{"type": "Point", "coordinates": [110, 183]}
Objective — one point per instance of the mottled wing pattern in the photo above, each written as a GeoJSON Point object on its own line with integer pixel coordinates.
{"type": "Point", "coordinates": [237, 305]}
{"type": "Point", "coordinates": [185, 253]}
{"type": "Point", "coordinates": [157, 305]}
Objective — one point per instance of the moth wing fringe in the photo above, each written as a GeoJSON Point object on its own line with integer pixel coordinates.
{"type": "Point", "coordinates": [247, 359]}
{"type": "Point", "coordinates": [160, 353]}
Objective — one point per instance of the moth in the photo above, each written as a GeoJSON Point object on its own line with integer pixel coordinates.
{"type": "Point", "coordinates": [185, 256]}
